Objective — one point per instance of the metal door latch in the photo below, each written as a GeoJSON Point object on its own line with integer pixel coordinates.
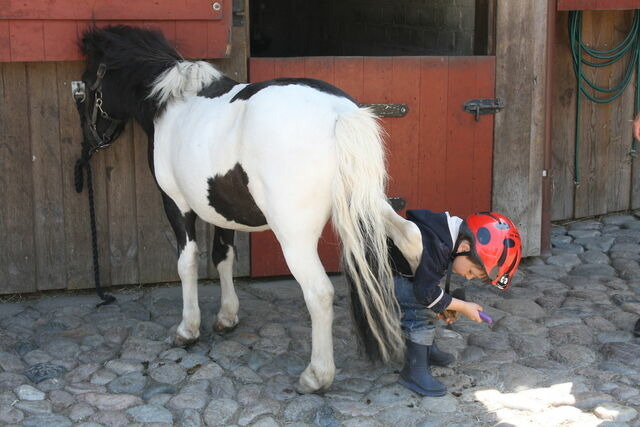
{"type": "Point", "coordinates": [483, 106]}
{"type": "Point", "coordinates": [388, 110]}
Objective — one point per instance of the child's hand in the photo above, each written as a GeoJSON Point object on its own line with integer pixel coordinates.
{"type": "Point", "coordinates": [448, 316]}
{"type": "Point", "coordinates": [470, 310]}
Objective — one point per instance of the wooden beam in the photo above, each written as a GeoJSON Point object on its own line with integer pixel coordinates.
{"type": "Point", "coordinates": [519, 128]}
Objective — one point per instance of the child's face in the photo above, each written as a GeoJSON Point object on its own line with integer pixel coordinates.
{"type": "Point", "coordinates": [463, 266]}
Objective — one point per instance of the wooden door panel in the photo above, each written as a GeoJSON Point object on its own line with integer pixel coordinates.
{"type": "Point", "coordinates": [440, 157]}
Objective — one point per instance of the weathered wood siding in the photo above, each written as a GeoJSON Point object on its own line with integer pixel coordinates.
{"type": "Point", "coordinates": [609, 175]}
{"type": "Point", "coordinates": [45, 239]}
{"type": "Point", "coordinates": [519, 128]}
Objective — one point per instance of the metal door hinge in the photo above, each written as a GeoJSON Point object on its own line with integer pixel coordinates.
{"type": "Point", "coordinates": [388, 110]}
{"type": "Point", "coordinates": [483, 106]}
{"type": "Point", "coordinates": [238, 13]}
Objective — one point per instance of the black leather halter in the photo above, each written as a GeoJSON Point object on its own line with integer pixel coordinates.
{"type": "Point", "coordinates": [96, 141]}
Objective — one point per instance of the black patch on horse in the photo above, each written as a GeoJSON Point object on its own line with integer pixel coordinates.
{"type": "Point", "coordinates": [222, 241]}
{"type": "Point", "coordinates": [229, 195]}
{"type": "Point", "coordinates": [184, 226]}
{"type": "Point", "coordinates": [325, 87]}
{"type": "Point", "coordinates": [218, 87]}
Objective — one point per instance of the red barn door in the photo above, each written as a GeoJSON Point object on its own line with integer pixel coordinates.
{"type": "Point", "coordinates": [440, 157]}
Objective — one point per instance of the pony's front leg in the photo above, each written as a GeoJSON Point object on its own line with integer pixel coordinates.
{"type": "Point", "coordinates": [223, 253]}
{"type": "Point", "coordinates": [305, 265]}
{"type": "Point", "coordinates": [183, 224]}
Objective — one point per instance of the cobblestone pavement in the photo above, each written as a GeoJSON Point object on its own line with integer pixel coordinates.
{"type": "Point", "coordinates": [560, 352]}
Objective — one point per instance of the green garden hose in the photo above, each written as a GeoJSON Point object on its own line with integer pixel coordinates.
{"type": "Point", "coordinates": [583, 55]}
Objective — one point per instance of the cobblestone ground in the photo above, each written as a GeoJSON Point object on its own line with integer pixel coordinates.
{"type": "Point", "coordinates": [560, 352]}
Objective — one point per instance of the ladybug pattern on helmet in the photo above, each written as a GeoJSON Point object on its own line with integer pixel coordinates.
{"type": "Point", "coordinates": [498, 245]}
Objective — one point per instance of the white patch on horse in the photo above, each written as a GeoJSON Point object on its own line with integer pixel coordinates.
{"type": "Point", "coordinates": [405, 235]}
{"type": "Point", "coordinates": [189, 328]}
{"type": "Point", "coordinates": [227, 317]}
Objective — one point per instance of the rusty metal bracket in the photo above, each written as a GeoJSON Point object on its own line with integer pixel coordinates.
{"type": "Point", "coordinates": [388, 110]}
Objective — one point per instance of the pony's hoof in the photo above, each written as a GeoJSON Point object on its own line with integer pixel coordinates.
{"type": "Point", "coordinates": [180, 341]}
{"type": "Point", "coordinates": [311, 383]}
{"type": "Point", "coordinates": [222, 327]}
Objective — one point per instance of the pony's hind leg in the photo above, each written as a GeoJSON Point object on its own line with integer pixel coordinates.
{"type": "Point", "coordinates": [304, 263]}
{"type": "Point", "coordinates": [223, 253]}
{"type": "Point", "coordinates": [183, 224]}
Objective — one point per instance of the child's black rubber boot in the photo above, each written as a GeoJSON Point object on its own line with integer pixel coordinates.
{"type": "Point", "coordinates": [416, 373]}
{"type": "Point", "coordinates": [438, 357]}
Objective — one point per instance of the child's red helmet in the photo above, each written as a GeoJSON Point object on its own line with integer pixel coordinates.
{"type": "Point", "coordinates": [498, 245]}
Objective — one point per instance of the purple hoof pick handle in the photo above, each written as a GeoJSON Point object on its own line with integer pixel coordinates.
{"type": "Point", "coordinates": [485, 317]}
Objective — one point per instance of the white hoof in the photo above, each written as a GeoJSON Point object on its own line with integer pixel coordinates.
{"type": "Point", "coordinates": [314, 379]}
{"type": "Point", "coordinates": [185, 336]}
{"type": "Point", "coordinates": [224, 324]}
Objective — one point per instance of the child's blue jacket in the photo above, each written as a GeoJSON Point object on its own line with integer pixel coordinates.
{"type": "Point", "coordinates": [437, 247]}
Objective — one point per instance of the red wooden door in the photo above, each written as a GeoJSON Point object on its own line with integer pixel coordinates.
{"type": "Point", "coordinates": [440, 157]}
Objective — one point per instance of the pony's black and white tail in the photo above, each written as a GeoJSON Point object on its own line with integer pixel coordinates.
{"type": "Point", "coordinates": [357, 214]}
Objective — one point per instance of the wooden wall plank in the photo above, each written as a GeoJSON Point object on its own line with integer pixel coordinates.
{"type": "Point", "coordinates": [189, 38]}
{"type": "Point", "coordinates": [483, 135]}
{"type": "Point", "coordinates": [167, 28]}
{"type": "Point", "coordinates": [47, 177]}
{"type": "Point", "coordinates": [432, 157]}
{"type": "Point", "coordinates": [563, 129]}
{"type": "Point", "coordinates": [27, 40]}
{"type": "Point", "coordinates": [517, 160]}
{"type": "Point", "coordinates": [404, 143]}
{"type": "Point", "coordinates": [114, 10]}
{"type": "Point", "coordinates": [617, 170]}
{"type": "Point", "coordinates": [5, 42]}
{"type": "Point", "coordinates": [17, 247]}
{"type": "Point", "coordinates": [319, 67]}
{"type": "Point", "coordinates": [460, 137]}
{"type": "Point", "coordinates": [291, 67]}
{"type": "Point", "coordinates": [61, 41]}
{"type": "Point", "coordinates": [596, 138]}
{"type": "Point", "coordinates": [123, 235]}
{"type": "Point", "coordinates": [537, 126]}
{"type": "Point", "coordinates": [349, 76]}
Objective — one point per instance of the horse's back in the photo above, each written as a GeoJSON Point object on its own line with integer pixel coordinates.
{"type": "Point", "coordinates": [281, 139]}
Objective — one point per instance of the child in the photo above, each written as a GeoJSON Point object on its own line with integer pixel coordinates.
{"type": "Point", "coordinates": [485, 246]}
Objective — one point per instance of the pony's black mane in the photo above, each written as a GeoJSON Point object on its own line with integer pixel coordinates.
{"type": "Point", "coordinates": [134, 58]}
{"type": "Point", "coordinates": [121, 46]}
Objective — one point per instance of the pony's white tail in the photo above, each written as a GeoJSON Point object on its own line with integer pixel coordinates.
{"type": "Point", "coordinates": [358, 197]}
{"type": "Point", "coordinates": [183, 79]}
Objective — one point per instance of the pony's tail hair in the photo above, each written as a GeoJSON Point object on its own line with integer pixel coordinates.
{"type": "Point", "coordinates": [183, 79]}
{"type": "Point", "coordinates": [358, 197]}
